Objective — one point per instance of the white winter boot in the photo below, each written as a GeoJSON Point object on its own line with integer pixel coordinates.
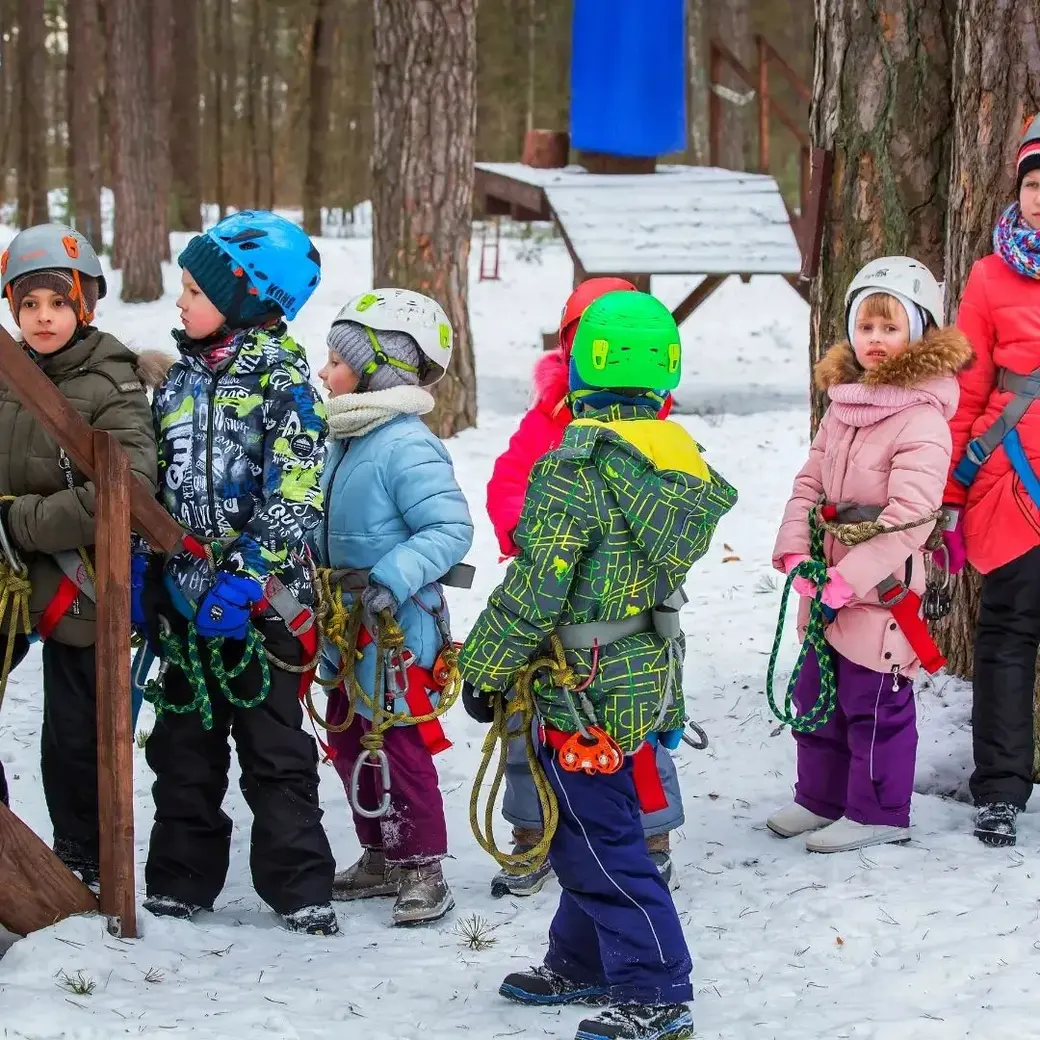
{"type": "Point", "coordinates": [845, 835]}
{"type": "Point", "coordinates": [795, 819]}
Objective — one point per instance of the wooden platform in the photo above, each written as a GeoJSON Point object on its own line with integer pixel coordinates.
{"type": "Point", "coordinates": [685, 220]}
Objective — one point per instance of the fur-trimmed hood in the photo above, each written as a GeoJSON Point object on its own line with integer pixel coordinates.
{"type": "Point", "coordinates": [938, 353]}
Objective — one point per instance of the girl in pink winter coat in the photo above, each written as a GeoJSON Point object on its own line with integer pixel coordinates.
{"type": "Point", "coordinates": [884, 441]}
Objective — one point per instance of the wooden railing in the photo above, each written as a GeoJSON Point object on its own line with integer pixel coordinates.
{"type": "Point", "coordinates": [769, 109]}
{"type": "Point", "coordinates": [36, 889]}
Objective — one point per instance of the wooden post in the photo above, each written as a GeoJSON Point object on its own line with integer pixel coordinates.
{"type": "Point", "coordinates": [114, 726]}
{"type": "Point", "coordinates": [546, 149]}
{"type": "Point", "coordinates": [36, 888]}
{"type": "Point", "coordinates": [701, 292]}
{"type": "Point", "coordinates": [714, 105]}
{"type": "Point", "coordinates": [763, 106]}
{"type": "Point", "coordinates": [812, 218]}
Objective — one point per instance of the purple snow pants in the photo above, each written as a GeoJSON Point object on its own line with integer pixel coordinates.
{"type": "Point", "coordinates": [861, 763]}
{"type": "Point", "coordinates": [413, 831]}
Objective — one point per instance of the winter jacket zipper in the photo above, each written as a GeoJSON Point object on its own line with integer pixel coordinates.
{"type": "Point", "coordinates": [214, 379]}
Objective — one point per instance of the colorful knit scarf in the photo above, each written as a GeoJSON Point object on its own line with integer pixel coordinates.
{"type": "Point", "coordinates": [1016, 243]}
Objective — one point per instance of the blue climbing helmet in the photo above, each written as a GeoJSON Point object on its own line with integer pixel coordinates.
{"type": "Point", "coordinates": [276, 256]}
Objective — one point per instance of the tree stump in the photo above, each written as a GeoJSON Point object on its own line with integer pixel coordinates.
{"type": "Point", "coordinates": [546, 149]}
{"type": "Point", "coordinates": [36, 888]}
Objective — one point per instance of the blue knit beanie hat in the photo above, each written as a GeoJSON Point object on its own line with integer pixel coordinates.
{"type": "Point", "coordinates": [232, 294]}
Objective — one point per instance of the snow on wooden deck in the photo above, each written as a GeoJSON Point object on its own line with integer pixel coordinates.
{"type": "Point", "coordinates": [679, 220]}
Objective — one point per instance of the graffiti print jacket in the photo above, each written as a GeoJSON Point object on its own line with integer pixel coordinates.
{"type": "Point", "coordinates": [241, 449]}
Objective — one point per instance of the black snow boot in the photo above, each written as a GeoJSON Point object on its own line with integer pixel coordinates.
{"type": "Point", "coordinates": [313, 920]}
{"type": "Point", "coordinates": [639, 1022]}
{"type": "Point", "coordinates": [169, 906]}
{"type": "Point", "coordinates": [995, 823]}
{"type": "Point", "coordinates": [541, 986]}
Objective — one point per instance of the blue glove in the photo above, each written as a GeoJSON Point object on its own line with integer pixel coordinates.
{"type": "Point", "coordinates": [377, 598]}
{"type": "Point", "coordinates": [138, 570]}
{"type": "Point", "coordinates": [225, 609]}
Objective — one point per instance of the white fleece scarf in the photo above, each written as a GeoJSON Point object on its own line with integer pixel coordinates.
{"type": "Point", "coordinates": [352, 415]}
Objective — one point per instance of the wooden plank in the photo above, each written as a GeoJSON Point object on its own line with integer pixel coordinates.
{"type": "Point", "coordinates": [517, 193]}
{"type": "Point", "coordinates": [36, 888]}
{"type": "Point", "coordinates": [812, 219]}
{"type": "Point", "coordinates": [777, 59]}
{"type": "Point", "coordinates": [799, 284]}
{"type": "Point", "coordinates": [68, 428]}
{"type": "Point", "coordinates": [114, 726]}
{"type": "Point", "coordinates": [704, 289]}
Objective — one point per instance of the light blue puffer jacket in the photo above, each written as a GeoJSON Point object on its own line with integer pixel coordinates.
{"type": "Point", "coordinates": [392, 505]}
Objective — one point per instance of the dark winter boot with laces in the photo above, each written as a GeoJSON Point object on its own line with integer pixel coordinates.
{"type": "Point", "coordinates": [319, 919]}
{"type": "Point", "coordinates": [639, 1022]}
{"type": "Point", "coordinates": [168, 906]}
{"type": "Point", "coordinates": [530, 883]}
{"type": "Point", "coordinates": [542, 986]}
{"type": "Point", "coordinates": [995, 823]}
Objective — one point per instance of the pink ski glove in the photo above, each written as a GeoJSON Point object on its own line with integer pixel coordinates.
{"type": "Point", "coordinates": [953, 540]}
{"type": "Point", "coordinates": [803, 586]}
{"type": "Point", "coordinates": [837, 592]}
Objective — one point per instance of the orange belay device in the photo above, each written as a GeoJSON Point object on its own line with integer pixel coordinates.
{"type": "Point", "coordinates": [36, 888]}
{"type": "Point", "coordinates": [590, 749]}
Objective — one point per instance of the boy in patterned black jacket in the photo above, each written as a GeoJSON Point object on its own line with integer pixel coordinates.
{"type": "Point", "coordinates": [241, 434]}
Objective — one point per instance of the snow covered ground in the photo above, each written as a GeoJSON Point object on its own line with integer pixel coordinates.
{"type": "Point", "coordinates": [936, 940]}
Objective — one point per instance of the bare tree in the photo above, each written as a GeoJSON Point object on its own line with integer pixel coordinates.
{"type": "Point", "coordinates": [32, 155]}
{"type": "Point", "coordinates": [730, 24]}
{"type": "Point", "coordinates": [323, 42]}
{"type": "Point", "coordinates": [698, 86]}
{"type": "Point", "coordinates": [162, 90]}
{"type": "Point", "coordinates": [83, 89]}
{"type": "Point", "coordinates": [424, 101]}
{"type": "Point", "coordinates": [185, 189]}
{"type": "Point", "coordinates": [140, 245]}
{"type": "Point", "coordinates": [881, 101]}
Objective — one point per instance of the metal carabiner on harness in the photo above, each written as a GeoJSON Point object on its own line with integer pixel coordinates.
{"type": "Point", "coordinates": [380, 762]}
{"type": "Point", "coordinates": [702, 738]}
{"type": "Point", "coordinates": [14, 561]}
{"type": "Point", "coordinates": [937, 601]}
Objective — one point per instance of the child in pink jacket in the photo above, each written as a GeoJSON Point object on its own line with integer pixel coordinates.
{"type": "Point", "coordinates": [540, 431]}
{"type": "Point", "coordinates": [883, 441]}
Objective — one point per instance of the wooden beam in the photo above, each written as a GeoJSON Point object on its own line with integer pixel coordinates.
{"type": "Point", "coordinates": [704, 289]}
{"type": "Point", "coordinates": [799, 285]}
{"type": "Point", "coordinates": [777, 59]}
{"type": "Point", "coordinates": [36, 888]}
{"type": "Point", "coordinates": [73, 433]}
{"type": "Point", "coordinates": [812, 219]}
{"type": "Point", "coordinates": [516, 193]}
{"type": "Point", "coordinates": [114, 726]}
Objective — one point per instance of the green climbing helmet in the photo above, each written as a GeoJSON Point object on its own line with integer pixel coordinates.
{"type": "Point", "coordinates": [628, 340]}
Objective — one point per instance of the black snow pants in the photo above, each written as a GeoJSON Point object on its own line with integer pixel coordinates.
{"type": "Point", "coordinates": [290, 858]}
{"type": "Point", "coordinates": [1006, 644]}
{"type": "Point", "coordinates": [68, 751]}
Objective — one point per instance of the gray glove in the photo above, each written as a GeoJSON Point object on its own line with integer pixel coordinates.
{"type": "Point", "coordinates": [377, 598]}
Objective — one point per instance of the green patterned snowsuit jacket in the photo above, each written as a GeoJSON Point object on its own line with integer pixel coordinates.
{"type": "Point", "coordinates": [612, 523]}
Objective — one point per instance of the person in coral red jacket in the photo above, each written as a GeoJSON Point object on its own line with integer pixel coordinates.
{"type": "Point", "coordinates": [541, 430]}
{"type": "Point", "coordinates": [994, 513]}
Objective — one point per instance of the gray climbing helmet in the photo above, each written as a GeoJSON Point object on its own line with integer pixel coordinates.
{"type": "Point", "coordinates": [48, 246]}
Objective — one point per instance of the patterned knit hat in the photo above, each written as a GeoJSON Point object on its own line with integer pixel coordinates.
{"type": "Point", "coordinates": [231, 293]}
{"type": "Point", "coordinates": [61, 282]}
{"type": "Point", "coordinates": [360, 346]}
{"type": "Point", "coordinates": [1028, 152]}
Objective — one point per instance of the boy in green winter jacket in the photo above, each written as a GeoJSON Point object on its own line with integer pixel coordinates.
{"type": "Point", "coordinates": [612, 522]}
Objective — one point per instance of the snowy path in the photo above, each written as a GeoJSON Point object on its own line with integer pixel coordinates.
{"type": "Point", "coordinates": [933, 941]}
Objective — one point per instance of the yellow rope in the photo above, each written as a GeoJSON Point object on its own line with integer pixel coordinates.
{"type": "Point", "coordinates": [522, 703]}
{"type": "Point", "coordinates": [15, 591]}
{"type": "Point", "coordinates": [862, 531]}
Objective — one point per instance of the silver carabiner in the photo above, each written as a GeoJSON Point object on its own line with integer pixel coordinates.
{"type": "Point", "coordinates": [12, 557]}
{"type": "Point", "coordinates": [397, 666]}
{"type": "Point", "coordinates": [382, 763]}
{"type": "Point", "coordinates": [702, 738]}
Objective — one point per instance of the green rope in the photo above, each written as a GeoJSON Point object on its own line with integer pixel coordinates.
{"type": "Point", "coordinates": [820, 713]}
{"type": "Point", "coordinates": [189, 660]}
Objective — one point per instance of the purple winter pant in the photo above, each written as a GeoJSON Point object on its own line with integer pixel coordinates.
{"type": "Point", "coordinates": [861, 763]}
{"type": "Point", "coordinates": [413, 831]}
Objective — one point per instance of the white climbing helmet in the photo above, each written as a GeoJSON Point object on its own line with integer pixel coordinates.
{"type": "Point", "coordinates": [401, 310]}
{"type": "Point", "coordinates": [903, 275]}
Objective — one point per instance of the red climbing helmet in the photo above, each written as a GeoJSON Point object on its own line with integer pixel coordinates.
{"type": "Point", "coordinates": [584, 294]}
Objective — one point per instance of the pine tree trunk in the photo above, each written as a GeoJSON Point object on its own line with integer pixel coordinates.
{"type": "Point", "coordinates": [219, 76]}
{"type": "Point", "coordinates": [995, 74]}
{"type": "Point", "coordinates": [881, 101]}
{"type": "Point", "coordinates": [33, 122]}
{"type": "Point", "coordinates": [323, 38]}
{"type": "Point", "coordinates": [257, 57]}
{"type": "Point", "coordinates": [698, 87]}
{"type": "Point", "coordinates": [424, 101]}
{"type": "Point", "coordinates": [185, 185]}
{"type": "Point", "coordinates": [162, 88]}
{"type": "Point", "coordinates": [140, 245]}
{"type": "Point", "coordinates": [83, 90]}
{"type": "Point", "coordinates": [731, 26]}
